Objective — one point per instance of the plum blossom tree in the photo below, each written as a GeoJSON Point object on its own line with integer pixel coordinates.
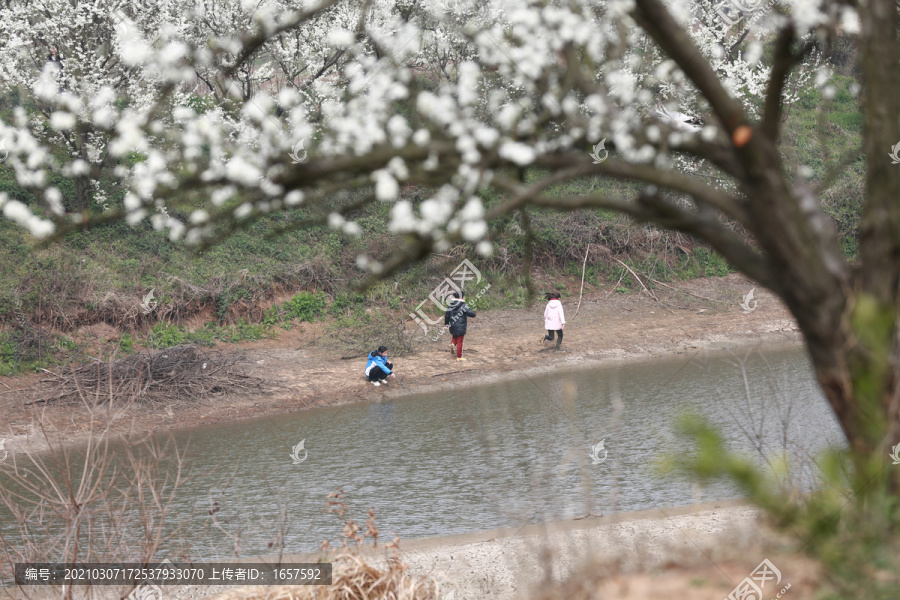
{"type": "Point", "coordinates": [70, 109]}
{"type": "Point", "coordinates": [302, 55]}
{"type": "Point", "coordinates": [531, 86]}
{"type": "Point", "coordinates": [218, 22]}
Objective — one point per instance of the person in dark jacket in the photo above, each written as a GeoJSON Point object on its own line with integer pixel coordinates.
{"type": "Point", "coordinates": [456, 318]}
{"type": "Point", "coordinates": [378, 367]}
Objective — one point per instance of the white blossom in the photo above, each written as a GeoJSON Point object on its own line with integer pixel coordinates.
{"type": "Point", "coordinates": [402, 217]}
{"type": "Point", "coordinates": [519, 153]}
{"type": "Point", "coordinates": [198, 217]}
{"type": "Point", "coordinates": [341, 38]}
{"type": "Point", "coordinates": [62, 121]}
{"type": "Point", "coordinates": [421, 137]}
{"type": "Point", "coordinates": [54, 200]}
{"type": "Point", "coordinates": [474, 230]}
{"type": "Point", "coordinates": [293, 198]}
{"type": "Point", "coordinates": [473, 210]}
{"type": "Point", "coordinates": [386, 187]}
{"type": "Point", "coordinates": [335, 220]}
{"type": "Point", "coordinates": [500, 98]}
{"type": "Point", "coordinates": [351, 228]}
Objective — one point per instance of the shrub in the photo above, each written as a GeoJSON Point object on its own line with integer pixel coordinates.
{"type": "Point", "coordinates": [704, 263]}
{"type": "Point", "coordinates": [344, 301]}
{"type": "Point", "coordinates": [240, 331]}
{"type": "Point", "coordinates": [305, 306]}
{"type": "Point", "coordinates": [358, 334]}
{"type": "Point", "coordinates": [165, 335]}
{"type": "Point", "coordinates": [26, 349]}
{"type": "Point", "coordinates": [126, 343]}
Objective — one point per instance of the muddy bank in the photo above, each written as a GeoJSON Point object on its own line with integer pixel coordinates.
{"type": "Point", "coordinates": [686, 318]}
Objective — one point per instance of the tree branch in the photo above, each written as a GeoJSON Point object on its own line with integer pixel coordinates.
{"type": "Point", "coordinates": [654, 210]}
{"type": "Point", "coordinates": [669, 179]}
{"type": "Point", "coordinates": [784, 61]}
{"type": "Point", "coordinates": [879, 231]}
{"type": "Point", "coordinates": [655, 19]}
{"type": "Point", "coordinates": [717, 154]}
{"type": "Point", "coordinates": [251, 43]}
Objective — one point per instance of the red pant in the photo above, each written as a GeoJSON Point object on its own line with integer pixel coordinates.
{"type": "Point", "coordinates": [458, 342]}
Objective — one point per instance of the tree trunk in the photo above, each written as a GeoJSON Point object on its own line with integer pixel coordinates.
{"type": "Point", "coordinates": [82, 193]}
{"type": "Point", "coordinates": [875, 359]}
{"type": "Point", "coordinates": [855, 350]}
{"type": "Point", "coordinates": [848, 315]}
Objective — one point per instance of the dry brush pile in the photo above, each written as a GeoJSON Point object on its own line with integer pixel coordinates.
{"type": "Point", "coordinates": [357, 339]}
{"type": "Point", "coordinates": [178, 373]}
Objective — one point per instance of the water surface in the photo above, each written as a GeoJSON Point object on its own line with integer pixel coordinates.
{"type": "Point", "coordinates": [499, 455]}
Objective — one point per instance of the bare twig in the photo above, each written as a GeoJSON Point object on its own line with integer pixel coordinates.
{"type": "Point", "coordinates": [452, 373]}
{"type": "Point", "coordinates": [583, 267]}
{"type": "Point", "coordinates": [615, 287]}
{"type": "Point", "coordinates": [652, 295]}
{"type": "Point", "coordinates": [102, 501]}
{"type": "Point", "coordinates": [672, 287]}
{"type": "Point", "coordinates": [187, 372]}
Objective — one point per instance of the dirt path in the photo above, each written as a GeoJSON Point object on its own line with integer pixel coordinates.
{"type": "Point", "coordinates": [687, 318]}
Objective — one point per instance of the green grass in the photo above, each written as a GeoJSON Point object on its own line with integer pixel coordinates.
{"type": "Point", "coordinates": [305, 306]}
{"type": "Point", "coordinates": [703, 263]}
{"type": "Point", "coordinates": [126, 343]}
{"type": "Point", "coordinates": [18, 356]}
{"type": "Point", "coordinates": [166, 335]}
{"type": "Point", "coordinates": [818, 132]}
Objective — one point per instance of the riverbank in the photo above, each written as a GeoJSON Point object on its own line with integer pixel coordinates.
{"type": "Point", "coordinates": [688, 318]}
{"type": "Point", "coordinates": [700, 551]}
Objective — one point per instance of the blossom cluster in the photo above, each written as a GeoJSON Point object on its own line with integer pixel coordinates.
{"type": "Point", "coordinates": [452, 95]}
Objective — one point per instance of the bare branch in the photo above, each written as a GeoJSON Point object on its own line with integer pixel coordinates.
{"type": "Point", "coordinates": [656, 20]}
{"type": "Point", "coordinates": [652, 209]}
{"type": "Point", "coordinates": [253, 42]}
{"type": "Point", "coordinates": [784, 61]}
{"type": "Point", "coordinates": [670, 179]}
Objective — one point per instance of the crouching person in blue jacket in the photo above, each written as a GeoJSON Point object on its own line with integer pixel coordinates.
{"type": "Point", "coordinates": [378, 369]}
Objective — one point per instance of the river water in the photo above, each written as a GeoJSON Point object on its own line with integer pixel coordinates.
{"type": "Point", "coordinates": [498, 455]}
{"type": "Point", "coordinates": [505, 454]}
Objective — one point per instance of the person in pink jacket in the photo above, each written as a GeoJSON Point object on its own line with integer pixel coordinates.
{"type": "Point", "coordinates": [554, 319]}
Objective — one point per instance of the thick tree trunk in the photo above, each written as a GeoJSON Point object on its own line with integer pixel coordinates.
{"type": "Point", "coordinates": [847, 376]}
{"type": "Point", "coordinates": [82, 193]}
{"type": "Point", "coordinates": [860, 383]}
{"type": "Point", "coordinates": [854, 344]}
{"type": "Point", "coordinates": [848, 314]}
{"type": "Point", "coordinates": [875, 359]}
